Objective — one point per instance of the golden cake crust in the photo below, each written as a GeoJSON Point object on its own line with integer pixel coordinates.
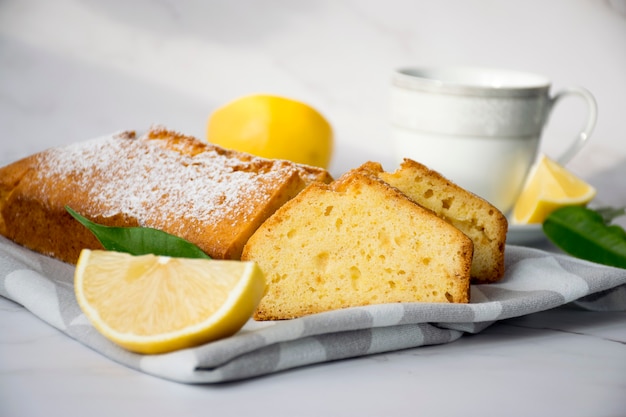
{"type": "Point", "coordinates": [213, 197]}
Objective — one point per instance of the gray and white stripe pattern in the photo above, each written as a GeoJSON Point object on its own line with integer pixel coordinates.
{"type": "Point", "coordinates": [535, 281]}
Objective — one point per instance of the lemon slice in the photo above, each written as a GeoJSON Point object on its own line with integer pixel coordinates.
{"type": "Point", "coordinates": [273, 127]}
{"type": "Point", "coordinates": [548, 187]}
{"type": "Point", "coordinates": [157, 304]}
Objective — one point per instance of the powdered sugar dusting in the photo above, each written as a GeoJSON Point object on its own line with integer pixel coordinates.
{"type": "Point", "coordinates": [147, 181]}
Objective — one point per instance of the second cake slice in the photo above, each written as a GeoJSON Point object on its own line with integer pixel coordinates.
{"type": "Point", "coordinates": [474, 216]}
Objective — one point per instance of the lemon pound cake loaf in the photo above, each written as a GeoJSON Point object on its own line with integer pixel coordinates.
{"type": "Point", "coordinates": [210, 196]}
{"type": "Point", "coordinates": [477, 218]}
{"type": "Point", "coordinates": [356, 242]}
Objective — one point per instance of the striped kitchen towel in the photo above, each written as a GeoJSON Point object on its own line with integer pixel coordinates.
{"type": "Point", "coordinates": [535, 281]}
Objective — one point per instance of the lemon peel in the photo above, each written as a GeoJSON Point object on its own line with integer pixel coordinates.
{"type": "Point", "coordinates": [156, 304]}
{"type": "Point", "coordinates": [273, 127]}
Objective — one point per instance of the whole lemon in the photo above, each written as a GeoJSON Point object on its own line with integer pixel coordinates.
{"type": "Point", "coordinates": [273, 127]}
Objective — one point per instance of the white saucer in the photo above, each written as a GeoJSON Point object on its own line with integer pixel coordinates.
{"type": "Point", "coordinates": [525, 234]}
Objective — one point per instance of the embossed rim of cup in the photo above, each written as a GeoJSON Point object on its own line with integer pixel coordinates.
{"type": "Point", "coordinates": [475, 81]}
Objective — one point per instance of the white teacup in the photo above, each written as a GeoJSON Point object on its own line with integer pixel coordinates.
{"type": "Point", "coordinates": [480, 127]}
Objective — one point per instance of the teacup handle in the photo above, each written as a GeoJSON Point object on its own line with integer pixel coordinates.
{"type": "Point", "coordinates": [584, 134]}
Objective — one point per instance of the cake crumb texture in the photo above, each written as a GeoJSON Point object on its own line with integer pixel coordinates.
{"type": "Point", "coordinates": [477, 218]}
{"type": "Point", "coordinates": [357, 241]}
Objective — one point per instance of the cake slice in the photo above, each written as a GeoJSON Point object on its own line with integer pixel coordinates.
{"type": "Point", "coordinates": [357, 241]}
{"type": "Point", "coordinates": [213, 197]}
{"type": "Point", "coordinates": [477, 218]}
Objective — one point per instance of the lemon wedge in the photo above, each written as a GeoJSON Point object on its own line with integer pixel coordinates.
{"type": "Point", "coordinates": [156, 304]}
{"type": "Point", "coordinates": [273, 127]}
{"type": "Point", "coordinates": [549, 186]}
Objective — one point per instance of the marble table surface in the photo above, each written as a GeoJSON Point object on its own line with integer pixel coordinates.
{"type": "Point", "coordinates": [74, 69]}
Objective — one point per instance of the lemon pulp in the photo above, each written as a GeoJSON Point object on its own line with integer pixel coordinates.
{"type": "Point", "coordinates": [549, 186]}
{"type": "Point", "coordinates": [156, 304]}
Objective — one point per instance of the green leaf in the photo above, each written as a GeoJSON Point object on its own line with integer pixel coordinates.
{"type": "Point", "coordinates": [588, 234]}
{"type": "Point", "coordinates": [140, 240]}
